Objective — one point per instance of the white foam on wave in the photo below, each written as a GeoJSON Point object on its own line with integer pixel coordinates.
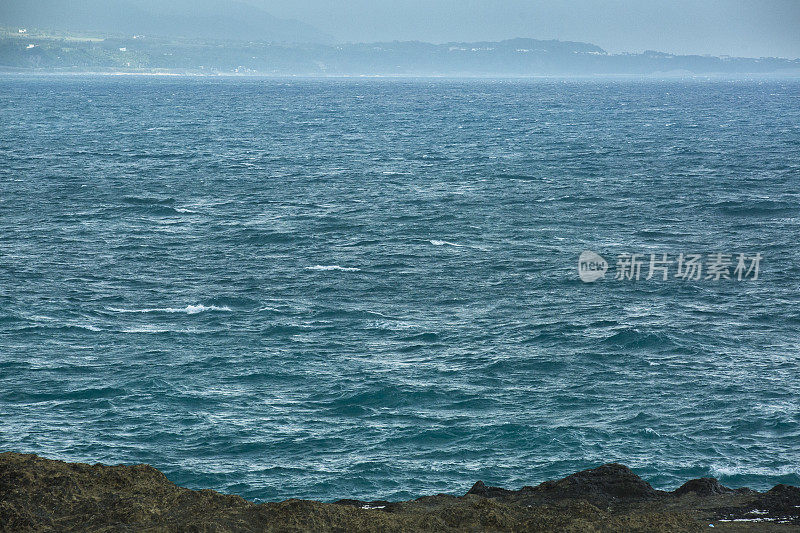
{"type": "Point", "coordinates": [189, 309]}
{"type": "Point", "coordinates": [333, 267]}
{"type": "Point", "coordinates": [49, 323]}
{"type": "Point", "coordinates": [145, 329]}
{"type": "Point", "coordinates": [735, 470]}
{"type": "Point", "coordinates": [39, 318]}
{"type": "Point", "coordinates": [445, 243]}
{"type": "Point", "coordinates": [153, 328]}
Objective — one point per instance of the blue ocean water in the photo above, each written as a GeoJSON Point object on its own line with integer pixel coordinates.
{"type": "Point", "coordinates": [369, 288]}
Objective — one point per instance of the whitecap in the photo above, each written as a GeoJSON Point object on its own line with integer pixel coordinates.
{"type": "Point", "coordinates": [39, 318]}
{"type": "Point", "coordinates": [189, 309]}
{"type": "Point", "coordinates": [145, 329]}
{"type": "Point", "coordinates": [720, 470]}
{"type": "Point", "coordinates": [153, 328]}
{"type": "Point", "coordinates": [333, 267]}
{"type": "Point", "coordinates": [445, 243]}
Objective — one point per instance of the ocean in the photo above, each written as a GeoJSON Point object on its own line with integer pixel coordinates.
{"type": "Point", "coordinates": [369, 288]}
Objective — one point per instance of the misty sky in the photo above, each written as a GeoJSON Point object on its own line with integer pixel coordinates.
{"type": "Point", "coordinates": [720, 27]}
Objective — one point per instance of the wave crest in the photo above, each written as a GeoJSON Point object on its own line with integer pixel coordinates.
{"type": "Point", "coordinates": [189, 309]}
{"type": "Point", "coordinates": [333, 267]}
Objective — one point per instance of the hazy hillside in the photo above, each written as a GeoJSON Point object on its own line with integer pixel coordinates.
{"type": "Point", "coordinates": [40, 51]}
{"type": "Point", "coordinates": [205, 19]}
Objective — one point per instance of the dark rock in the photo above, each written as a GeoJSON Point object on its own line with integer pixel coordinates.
{"type": "Point", "coordinates": [42, 495]}
{"type": "Point", "coordinates": [601, 485]}
{"type": "Point", "coordinates": [781, 500]}
{"type": "Point", "coordinates": [480, 489]}
{"type": "Point", "coordinates": [611, 480]}
{"type": "Point", "coordinates": [705, 486]}
{"type": "Point", "coordinates": [781, 504]}
{"type": "Point", "coordinates": [351, 503]}
{"type": "Point", "coordinates": [785, 493]}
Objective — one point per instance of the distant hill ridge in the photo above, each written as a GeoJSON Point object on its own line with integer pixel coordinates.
{"type": "Point", "coordinates": [266, 53]}
{"type": "Point", "coordinates": [203, 19]}
{"type": "Point", "coordinates": [533, 45]}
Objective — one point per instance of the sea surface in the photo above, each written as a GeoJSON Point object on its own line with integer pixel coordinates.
{"type": "Point", "coordinates": [369, 288]}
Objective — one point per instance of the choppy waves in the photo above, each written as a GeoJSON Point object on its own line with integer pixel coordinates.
{"type": "Point", "coordinates": [278, 289]}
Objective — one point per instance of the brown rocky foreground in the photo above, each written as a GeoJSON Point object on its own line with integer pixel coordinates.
{"type": "Point", "coordinates": [42, 495]}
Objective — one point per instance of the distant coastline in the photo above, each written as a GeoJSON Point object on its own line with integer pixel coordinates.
{"type": "Point", "coordinates": [44, 51]}
{"type": "Point", "coordinates": [655, 77]}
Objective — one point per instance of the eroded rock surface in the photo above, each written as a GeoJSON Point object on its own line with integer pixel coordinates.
{"type": "Point", "coordinates": [38, 494]}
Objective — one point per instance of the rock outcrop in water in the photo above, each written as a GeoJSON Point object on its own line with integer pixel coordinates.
{"type": "Point", "coordinates": [38, 494]}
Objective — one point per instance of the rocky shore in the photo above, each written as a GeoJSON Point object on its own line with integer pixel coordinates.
{"type": "Point", "coordinates": [39, 494]}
